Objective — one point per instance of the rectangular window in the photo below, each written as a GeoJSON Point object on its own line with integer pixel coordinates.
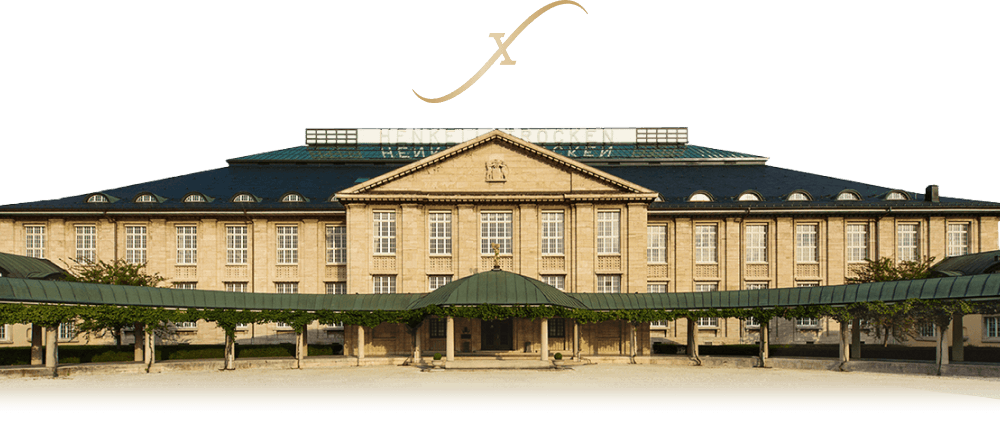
{"type": "Point", "coordinates": [707, 287]}
{"type": "Point", "coordinates": [857, 242]}
{"type": "Point", "coordinates": [438, 328]}
{"type": "Point", "coordinates": [236, 244]}
{"type": "Point", "coordinates": [384, 284]}
{"type": "Point", "coordinates": [557, 327]}
{"type": "Point", "coordinates": [908, 242]}
{"type": "Point", "coordinates": [288, 244]}
{"type": "Point", "coordinates": [440, 233]}
{"type": "Point", "coordinates": [656, 244]}
{"type": "Point", "coordinates": [135, 244]}
{"type": "Point", "coordinates": [34, 241]}
{"type": "Point", "coordinates": [385, 232]}
{"type": "Point", "coordinates": [86, 244]}
{"type": "Point", "coordinates": [609, 283]}
{"type": "Point", "coordinates": [438, 281]}
{"type": "Point", "coordinates": [656, 288]}
{"type": "Point", "coordinates": [336, 244]}
{"type": "Point", "coordinates": [756, 243]}
{"type": "Point", "coordinates": [705, 244]}
{"type": "Point", "coordinates": [67, 331]}
{"type": "Point", "coordinates": [958, 239]}
{"type": "Point", "coordinates": [187, 245]}
{"type": "Point", "coordinates": [807, 322]}
{"type": "Point", "coordinates": [927, 330]}
{"type": "Point", "coordinates": [236, 287]}
{"type": "Point", "coordinates": [287, 287]}
{"type": "Point", "coordinates": [495, 229]}
{"type": "Point", "coordinates": [336, 287]}
{"type": "Point", "coordinates": [552, 233]}
{"type": "Point", "coordinates": [185, 285]}
{"type": "Point", "coordinates": [991, 326]}
{"type": "Point", "coordinates": [752, 322]}
{"type": "Point", "coordinates": [608, 232]}
{"type": "Point", "coordinates": [186, 325]}
{"type": "Point", "coordinates": [555, 281]}
{"type": "Point", "coordinates": [806, 243]}
{"type": "Point", "coordinates": [4, 336]}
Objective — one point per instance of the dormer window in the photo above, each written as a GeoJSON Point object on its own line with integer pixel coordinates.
{"type": "Point", "coordinates": [97, 198]}
{"type": "Point", "coordinates": [848, 195]}
{"type": "Point", "coordinates": [896, 195]}
{"type": "Point", "coordinates": [243, 197]}
{"type": "Point", "coordinates": [145, 198]}
{"type": "Point", "coordinates": [292, 197]}
{"type": "Point", "coordinates": [195, 198]}
{"type": "Point", "coordinates": [749, 197]}
{"type": "Point", "coordinates": [799, 196]}
{"type": "Point", "coordinates": [700, 197]}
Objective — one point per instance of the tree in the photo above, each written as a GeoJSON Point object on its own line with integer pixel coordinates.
{"type": "Point", "coordinates": [896, 321]}
{"type": "Point", "coordinates": [117, 272]}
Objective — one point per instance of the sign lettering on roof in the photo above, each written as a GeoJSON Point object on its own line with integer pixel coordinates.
{"type": "Point", "coordinates": [452, 136]}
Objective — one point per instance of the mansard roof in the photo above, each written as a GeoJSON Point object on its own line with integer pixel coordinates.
{"type": "Point", "coordinates": [675, 170]}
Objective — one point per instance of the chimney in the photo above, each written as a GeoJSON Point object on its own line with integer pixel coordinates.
{"type": "Point", "coordinates": [932, 194]}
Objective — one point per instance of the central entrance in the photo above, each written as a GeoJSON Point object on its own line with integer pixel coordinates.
{"type": "Point", "coordinates": [497, 335]}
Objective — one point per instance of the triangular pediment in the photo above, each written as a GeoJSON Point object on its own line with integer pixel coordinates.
{"type": "Point", "coordinates": [497, 164]}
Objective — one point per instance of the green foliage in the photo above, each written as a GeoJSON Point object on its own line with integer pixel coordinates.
{"type": "Point", "coordinates": [885, 321]}
{"type": "Point", "coordinates": [437, 356]}
{"type": "Point", "coordinates": [117, 272]}
{"type": "Point", "coordinates": [557, 356]}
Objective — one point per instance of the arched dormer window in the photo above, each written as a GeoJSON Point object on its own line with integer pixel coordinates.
{"type": "Point", "coordinates": [97, 198]}
{"type": "Point", "coordinates": [700, 196]}
{"type": "Point", "coordinates": [799, 196]}
{"type": "Point", "coordinates": [244, 197]}
{"type": "Point", "coordinates": [848, 195]}
{"type": "Point", "coordinates": [145, 198]}
{"type": "Point", "coordinates": [195, 197]}
{"type": "Point", "coordinates": [896, 195]}
{"type": "Point", "coordinates": [749, 197]}
{"type": "Point", "coordinates": [292, 197]}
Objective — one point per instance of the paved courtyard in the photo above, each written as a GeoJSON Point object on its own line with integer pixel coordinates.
{"type": "Point", "coordinates": [595, 397]}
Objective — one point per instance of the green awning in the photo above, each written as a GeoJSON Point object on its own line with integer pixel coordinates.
{"type": "Point", "coordinates": [24, 267]}
{"type": "Point", "coordinates": [497, 287]}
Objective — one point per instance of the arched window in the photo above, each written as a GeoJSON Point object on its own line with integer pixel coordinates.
{"type": "Point", "coordinates": [752, 197]}
{"type": "Point", "coordinates": [145, 198]}
{"type": "Point", "coordinates": [799, 196]}
{"type": "Point", "coordinates": [896, 195]}
{"type": "Point", "coordinates": [848, 195]}
{"type": "Point", "coordinates": [97, 198]}
{"type": "Point", "coordinates": [700, 197]}
{"type": "Point", "coordinates": [292, 197]}
{"type": "Point", "coordinates": [243, 197]}
{"type": "Point", "coordinates": [194, 198]}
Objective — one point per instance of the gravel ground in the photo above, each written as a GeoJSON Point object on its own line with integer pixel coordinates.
{"type": "Point", "coordinates": [595, 397]}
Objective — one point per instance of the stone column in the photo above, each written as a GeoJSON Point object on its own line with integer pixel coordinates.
{"type": "Point", "coordinates": [416, 345]}
{"type": "Point", "coordinates": [52, 348]}
{"type": "Point", "coordinates": [942, 349]}
{"type": "Point", "coordinates": [692, 337]}
{"type": "Point", "coordinates": [149, 350]}
{"type": "Point", "coordinates": [764, 348]}
{"type": "Point", "coordinates": [957, 338]}
{"type": "Point", "coordinates": [361, 342]}
{"type": "Point", "coordinates": [450, 339]}
{"type": "Point", "coordinates": [230, 356]}
{"type": "Point", "coordinates": [138, 346]}
{"type": "Point", "coordinates": [845, 344]}
{"type": "Point", "coordinates": [544, 353]}
{"type": "Point", "coordinates": [301, 346]}
{"type": "Point", "coordinates": [37, 337]}
{"type": "Point", "coordinates": [576, 341]}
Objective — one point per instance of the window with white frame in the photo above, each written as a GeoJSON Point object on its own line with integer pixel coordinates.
{"type": "Point", "coordinates": [236, 287]}
{"type": "Point", "coordinates": [67, 331]}
{"type": "Point", "coordinates": [287, 287]}
{"type": "Point", "coordinates": [186, 325]}
{"type": "Point", "coordinates": [384, 284]}
{"type": "Point", "coordinates": [185, 285]}
{"type": "Point", "coordinates": [34, 241]}
{"type": "Point", "coordinates": [895, 195]}
{"type": "Point", "coordinates": [657, 288]}
{"type": "Point", "coordinates": [609, 283]}
{"type": "Point", "coordinates": [991, 327]}
{"type": "Point", "coordinates": [555, 281]}
{"type": "Point", "coordinates": [857, 242]}
{"type": "Point", "coordinates": [908, 242]}
{"type": "Point", "coordinates": [86, 244]}
{"type": "Point", "coordinates": [847, 195]}
{"type": "Point", "coordinates": [292, 197]}
{"type": "Point", "coordinates": [756, 286]}
{"type": "Point", "coordinates": [243, 197]}
{"type": "Point", "coordinates": [656, 244]}
{"type": "Point", "coordinates": [552, 233]}
{"type": "Point", "coordinates": [749, 197]}
{"type": "Point", "coordinates": [807, 322]}
{"type": "Point", "coordinates": [756, 243]}
{"type": "Point", "coordinates": [236, 245]}
{"type": "Point", "coordinates": [187, 245]}
{"type": "Point", "coordinates": [135, 244]}
{"type": "Point", "coordinates": [4, 336]}
{"type": "Point", "coordinates": [608, 232]}
{"type": "Point", "coordinates": [436, 282]}
{"type": "Point", "coordinates": [145, 198]}
{"type": "Point", "coordinates": [699, 197]}
{"type": "Point", "coordinates": [195, 198]}
{"type": "Point", "coordinates": [707, 287]}
{"type": "Point", "coordinates": [798, 196]}
{"type": "Point", "coordinates": [807, 243]}
{"type": "Point", "coordinates": [336, 244]}
{"type": "Point", "coordinates": [288, 244]}
{"type": "Point", "coordinates": [958, 239]}
{"type": "Point", "coordinates": [927, 330]}
{"type": "Point", "coordinates": [705, 244]}
{"type": "Point", "coordinates": [97, 198]}
{"type": "Point", "coordinates": [440, 232]}
{"type": "Point", "coordinates": [384, 232]}
{"type": "Point", "coordinates": [336, 288]}
{"type": "Point", "coordinates": [496, 229]}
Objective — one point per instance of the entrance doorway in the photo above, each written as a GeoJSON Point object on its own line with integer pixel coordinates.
{"type": "Point", "coordinates": [498, 335]}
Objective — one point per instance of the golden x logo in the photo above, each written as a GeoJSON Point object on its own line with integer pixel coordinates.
{"type": "Point", "coordinates": [501, 50]}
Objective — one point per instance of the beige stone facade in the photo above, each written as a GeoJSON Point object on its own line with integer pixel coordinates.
{"type": "Point", "coordinates": [551, 217]}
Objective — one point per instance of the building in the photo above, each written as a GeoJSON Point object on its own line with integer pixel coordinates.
{"type": "Point", "coordinates": [606, 210]}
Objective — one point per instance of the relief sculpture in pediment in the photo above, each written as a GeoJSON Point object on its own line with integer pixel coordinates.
{"type": "Point", "coordinates": [496, 170]}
